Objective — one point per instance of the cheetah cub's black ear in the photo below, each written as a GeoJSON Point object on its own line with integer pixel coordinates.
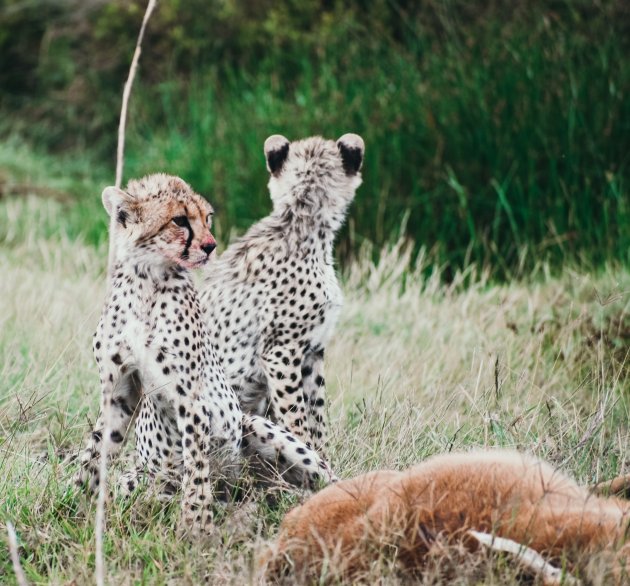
{"type": "Point", "coordinates": [351, 147]}
{"type": "Point", "coordinates": [117, 201]}
{"type": "Point", "coordinates": [276, 153]}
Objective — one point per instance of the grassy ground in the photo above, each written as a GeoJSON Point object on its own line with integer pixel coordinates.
{"type": "Point", "coordinates": [417, 367]}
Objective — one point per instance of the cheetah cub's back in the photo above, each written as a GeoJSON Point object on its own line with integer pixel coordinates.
{"type": "Point", "coordinates": [273, 297]}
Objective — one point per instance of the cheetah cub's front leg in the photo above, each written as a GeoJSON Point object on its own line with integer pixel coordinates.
{"type": "Point", "coordinates": [297, 392]}
{"type": "Point", "coordinates": [314, 385]}
{"type": "Point", "coordinates": [210, 461]}
{"type": "Point", "coordinates": [282, 366]}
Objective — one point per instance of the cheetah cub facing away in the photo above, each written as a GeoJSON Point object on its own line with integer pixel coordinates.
{"type": "Point", "coordinates": [449, 498]}
{"type": "Point", "coordinates": [157, 363]}
{"type": "Point", "coordinates": [273, 296]}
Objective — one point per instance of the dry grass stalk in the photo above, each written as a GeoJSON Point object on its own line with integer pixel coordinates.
{"type": "Point", "coordinates": [20, 576]}
{"type": "Point", "coordinates": [127, 92]}
{"type": "Point", "coordinates": [99, 523]}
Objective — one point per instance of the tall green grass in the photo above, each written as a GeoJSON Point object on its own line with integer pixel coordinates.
{"type": "Point", "coordinates": [496, 133]}
{"type": "Point", "coordinates": [70, 182]}
{"type": "Point", "coordinates": [488, 146]}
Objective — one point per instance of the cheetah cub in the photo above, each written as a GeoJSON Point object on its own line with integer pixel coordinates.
{"type": "Point", "coordinates": [157, 362]}
{"type": "Point", "coordinates": [272, 298]}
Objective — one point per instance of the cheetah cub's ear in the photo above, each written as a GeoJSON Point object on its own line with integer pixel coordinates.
{"type": "Point", "coordinates": [276, 153]}
{"type": "Point", "coordinates": [117, 201]}
{"type": "Point", "coordinates": [351, 147]}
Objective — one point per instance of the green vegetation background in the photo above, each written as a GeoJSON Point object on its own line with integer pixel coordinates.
{"type": "Point", "coordinates": [497, 132]}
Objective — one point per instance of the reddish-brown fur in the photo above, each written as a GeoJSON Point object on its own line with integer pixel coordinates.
{"type": "Point", "coordinates": [401, 514]}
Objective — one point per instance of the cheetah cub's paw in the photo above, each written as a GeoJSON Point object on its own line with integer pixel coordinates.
{"type": "Point", "coordinates": [196, 521]}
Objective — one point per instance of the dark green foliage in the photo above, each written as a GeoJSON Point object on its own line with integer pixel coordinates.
{"type": "Point", "coordinates": [502, 129]}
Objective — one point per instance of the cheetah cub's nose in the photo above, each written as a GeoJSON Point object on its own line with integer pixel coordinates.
{"type": "Point", "coordinates": [208, 248]}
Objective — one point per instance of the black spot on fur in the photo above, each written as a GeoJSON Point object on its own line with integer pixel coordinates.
{"type": "Point", "coordinates": [122, 218]}
{"type": "Point", "coordinates": [124, 407]}
{"type": "Point", "coordinates": [116, 437]}
{"type": "Point", "coordinates": [140, 273]}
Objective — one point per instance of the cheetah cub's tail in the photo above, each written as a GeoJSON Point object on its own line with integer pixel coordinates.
{"type": "Point", "coordinates": [276, 449]}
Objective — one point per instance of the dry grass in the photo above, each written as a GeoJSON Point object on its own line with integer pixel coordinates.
{"type": "Point", "coordinates": [417, 367]}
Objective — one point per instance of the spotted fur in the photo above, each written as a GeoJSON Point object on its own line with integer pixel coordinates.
{"type": "Point", "coordinates": [273, 298]}
{"type": "Point", "coordinates": [157, 363]}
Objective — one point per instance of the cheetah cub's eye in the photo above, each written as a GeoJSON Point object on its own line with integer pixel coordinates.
{"type": "Point", "coordinates": [209, 217]}
{"type": "Point", "coordinates": [181, 221]}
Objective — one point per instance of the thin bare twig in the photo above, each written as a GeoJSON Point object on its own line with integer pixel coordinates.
{"type": "Point", "coordinates": [127, 93]}
{"type": "Point", "coordinates": [595, 424]}
{"type": "Point", "coordinates": [20, 576]}
{"type": "Point", "coordinates": [99, 526]}
{"type": "Point", "coordinates": [99, 523]}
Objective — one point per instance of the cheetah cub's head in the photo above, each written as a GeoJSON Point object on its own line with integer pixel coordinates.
{"type": "Point", "coordinates": [314, 174]}
{"type": "Point", "coordinates": [159, 220]}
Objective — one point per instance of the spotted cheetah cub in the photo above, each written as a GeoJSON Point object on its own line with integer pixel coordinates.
{"type": "Point", "coordinates": [272, 298]}
{"type": "Point", "coordinates": [157, 362]}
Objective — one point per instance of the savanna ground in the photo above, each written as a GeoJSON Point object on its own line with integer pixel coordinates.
{"type": "Point", "coordinates": [417, 367]}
